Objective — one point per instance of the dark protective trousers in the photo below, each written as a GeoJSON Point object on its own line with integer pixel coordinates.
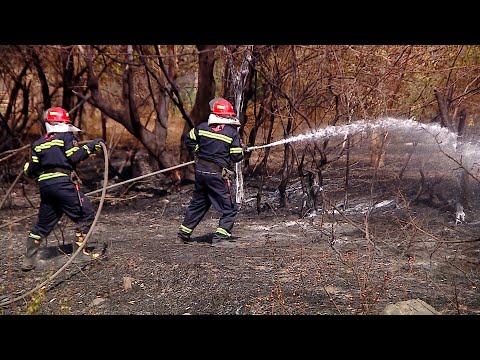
{"type": "Point", "coordinates": [58, 199]}
{"type": "Point", "coordinates": [211, 189]}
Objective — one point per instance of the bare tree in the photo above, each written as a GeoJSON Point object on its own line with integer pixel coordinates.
{"type": "Point", "coordinates": [205, 92]}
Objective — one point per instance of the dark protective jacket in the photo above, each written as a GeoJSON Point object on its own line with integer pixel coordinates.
{"type": "Point", "coordinates": [219, 144]}
{"type": "Point", "coordinates": [54, 156]}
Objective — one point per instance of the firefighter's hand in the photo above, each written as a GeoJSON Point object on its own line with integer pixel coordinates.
{"type": "Point", "coordinates": [25, 168]}
{"type": "Point", "coordinates": [244, 147]}
{"type": "Point", "coordinates": [31, 176]}
{"type": "Point", "coordinates": [94, 145]}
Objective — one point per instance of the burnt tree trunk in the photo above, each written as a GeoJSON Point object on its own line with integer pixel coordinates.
{"type": "Point", "coordinates": [201, 109]}
{"type": "Point", "coordinates": [128, 114]}
{"type": "Point", "coordinates": [465, 179]}
{"type": "Point", "coordinates": [285, 175]}
{"type": "Point", "coordinates": [238, 84]}
{"type": "Point", "coordinates": [376, 148]}
{"type": "Point", "coordinates": [43, 80]}
{"type": "Point", "coordinates": [462, 190]}
{"type": "Point", "coordinates": [8, 133]}
{"type": "Point", "coordinates": [260, 117]}
{"type": "Point", "coordinates": [445, 119]}
{"type": "Point", "coordinates": [263, 163]}
{"type": "Point", "coordinates": [68, 72]}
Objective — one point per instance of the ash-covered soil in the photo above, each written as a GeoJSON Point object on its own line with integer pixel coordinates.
{"type": "Point", "coordinates": [341, 257]}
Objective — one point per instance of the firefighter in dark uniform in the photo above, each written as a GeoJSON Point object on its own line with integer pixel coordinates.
{"type": "Point", "coordinates": [52, 164]}
{"type": "Point", "coordinates": [217, 146]}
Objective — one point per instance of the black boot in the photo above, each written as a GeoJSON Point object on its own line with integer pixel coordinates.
{"type": "Point", "coordinates": [217, 238]}
{"type": "Point", "coordinates": [182, 238]}
{"type": "Point", "coordinates": [29, 261]}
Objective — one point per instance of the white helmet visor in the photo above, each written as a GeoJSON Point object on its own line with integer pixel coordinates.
{"type": "Point", "coordinates": [60, 127]}
{"type": "Point", "coordinates": [214, 119]}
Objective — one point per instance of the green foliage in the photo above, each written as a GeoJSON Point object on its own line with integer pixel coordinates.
{"type": "Point", "coordinates": [35, 304]}
{"type": "Point", "coordinates": [64, 307]}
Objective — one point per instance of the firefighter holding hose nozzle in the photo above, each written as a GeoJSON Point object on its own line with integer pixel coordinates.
{"type": "Point", "coordinates": [216, 145]}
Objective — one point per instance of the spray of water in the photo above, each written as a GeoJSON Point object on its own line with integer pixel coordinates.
{"type": "Point", "coordinates": [408, 130]}
{"type": "Point", "coordinates": [411, 127]}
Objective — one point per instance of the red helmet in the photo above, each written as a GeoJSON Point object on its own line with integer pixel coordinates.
{"type": "Point", "coordinates": [222, 107]}
{"type": "Point", "coordinates": [57, 114]}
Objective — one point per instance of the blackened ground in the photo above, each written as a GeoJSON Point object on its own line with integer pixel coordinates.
{"type": "Point", "coordinates": [330, 260]}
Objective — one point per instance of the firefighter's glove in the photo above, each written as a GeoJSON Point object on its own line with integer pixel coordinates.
{"type": "Point", "coordinates": [25, 168]}
{"type": "Point", "coordinates": [27, 174]}
{"type": "Point", "coordinates": [244, 147]}
{"type": "Point", "coordinates": [94, 145]}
